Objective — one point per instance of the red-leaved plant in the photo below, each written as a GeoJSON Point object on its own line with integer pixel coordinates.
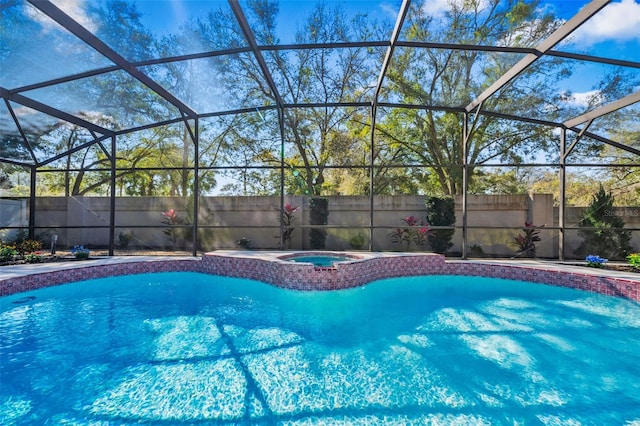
{"type": "Point", "coordinates": [415, 233]}
{"type": "Point", "coordinates": [173, 220]}
{"type": "Point", "coordinates": [526, 241]}
{"type": "Point", "coordinates": [286, 220]}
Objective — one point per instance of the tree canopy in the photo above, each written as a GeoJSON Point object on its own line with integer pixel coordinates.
{"type": "Point", "coordinates": [307, 119]}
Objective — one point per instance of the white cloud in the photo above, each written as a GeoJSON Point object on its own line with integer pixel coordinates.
{"type": "Point", "coordinates": [389, 9]}
{"type": "Point", "coordinates": [73, 8]}
{"type": "Point", "coordinates": [437, 8]}
{"type": "Point", "coordinates": [179, 11]}
{"type": "Point", "coordinates": [618, 21]}
{"type": "Point", "coordinates": [585, 99]}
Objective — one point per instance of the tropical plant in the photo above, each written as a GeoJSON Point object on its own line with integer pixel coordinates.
{"type": "Point", "coordinates": [286, 221]}
{"type": "Point", "coordinates": [634, 260]}
{"type": "Point", "coordinates": [174, 222]}
{"type": "Point", "coordinates": [415, 233]}
{"type": "Point", "coordinates": [526, 241]}
{"type": "Point", "coordinates": [124, 238]}
{"type": "Point", "coordinates": [28, 246]}
{"type": "Point", "coordinates": [357, 241]}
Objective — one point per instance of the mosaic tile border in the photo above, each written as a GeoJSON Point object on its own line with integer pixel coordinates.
{"type": "Point", "coordinates": [67, 275]}
{"type": "Point", "coordinates": [304, 276]}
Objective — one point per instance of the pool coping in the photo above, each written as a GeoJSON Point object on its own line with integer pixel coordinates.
{"type": "Point", "coordinates": [268, 266]}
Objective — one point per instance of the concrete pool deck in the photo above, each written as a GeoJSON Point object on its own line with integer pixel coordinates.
{"type": "Point", "coordinates": [269, 266]}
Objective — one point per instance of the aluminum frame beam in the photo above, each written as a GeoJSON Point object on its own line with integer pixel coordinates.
{"type": "Point", "coordinates": [16, 162]}
{"type": "Point", "coordinates": [608, 141]}
{"type": "Point", "coordinates": [395, 35]}
{"type": "Point", "coordinates": [558, 35]}
{"type": "Point", "coordinates": [49, 110]}
{"type": "Point", "coordinates": [604, 110]}
{"type": "Point", "coordinates": [338, 45]}
{"type": "Point", "coordinates": [25, 140]}
{"type": "Point", "coordinates": [73, 150]}
{"type": "Point", "coordinates": [98, 45]}
{"type": "Point", "coordinates": [543, 49]}
{"type": "Point", "coordinates": [53, 112]}
{"type": "Point", "coordinates": [251, 39]}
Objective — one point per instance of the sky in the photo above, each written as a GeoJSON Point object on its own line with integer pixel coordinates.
{"type": "Point", "coordinates": [618, 23]}
{"type": "Point", "coordinates": [614, 32]}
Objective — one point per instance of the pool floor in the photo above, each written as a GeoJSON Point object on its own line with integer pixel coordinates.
{"type": "Point", "coordinates": [189, 348]}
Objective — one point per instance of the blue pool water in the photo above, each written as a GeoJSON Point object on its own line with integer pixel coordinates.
{"type": "Point", "coordinates": [188, 348]}
{"type": "Point", "coordinates": [319, 260]}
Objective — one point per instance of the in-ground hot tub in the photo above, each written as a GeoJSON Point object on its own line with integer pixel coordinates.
{"type": "Point", "coordinates": [320, 259]}
{"type": "Point", "coordinates": [352, 270]}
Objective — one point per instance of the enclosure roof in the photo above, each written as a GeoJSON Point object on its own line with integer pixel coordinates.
{"type": "Point", "coordinates": [112, 67]}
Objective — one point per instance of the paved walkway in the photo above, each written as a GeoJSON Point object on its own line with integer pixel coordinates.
{"type": "Point", "coordinates": [560, 266]}
{"type": "Point", "coordinates": [12, 271]}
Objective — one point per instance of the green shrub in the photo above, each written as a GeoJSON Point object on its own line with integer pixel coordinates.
{"type": "Point", "coordinates": [357, 241]}
{"type": "Point", "coordinates": [28, 246]}
{"type": "Point", "coordinates": [634, 260]}
{"type": "Point", "coordinates": [318, 215]}
{"type": "Point", "coordinates": [607, 238]}
{"type": "Point", "coordinates": [476, 250]}
{"type": "Point", "coordinates": [80, 252]}
{"type": "Point", "coordinates": [35, 257]}
{"type": "Point", "coordinates": [124, 238]}
{"type": "Point", "coordinates": [7, 252]}
{"type": "Point", "coordinates": [244, 242]}
{"type": "Point", "coordinates": [441, 211]}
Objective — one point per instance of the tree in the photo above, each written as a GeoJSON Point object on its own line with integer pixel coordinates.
{"type": "Point", "coordinates": [453, 78]}
{"type": "Point", "coordinates": [623, 127]}
{"type": "Point", "coordinates": [622, 182]}
{"type": "Point", "coordinates": [243, 141]}
{"type": "Point", "coordinates": [445, 77]}
{"type": "Point", "coordinates": [5, 182]}
{"type": "Point", "coordinates": [83, 170]}
{"type": "Point", "coordinates": [511, 181]}
{"type": "Point", "coordinates": [316, 137]}
{"type": "Point", "coordinates": [122, 100]}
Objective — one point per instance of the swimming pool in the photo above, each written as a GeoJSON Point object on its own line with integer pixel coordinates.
{"type": "Point", "coordinates": [191, 348]}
